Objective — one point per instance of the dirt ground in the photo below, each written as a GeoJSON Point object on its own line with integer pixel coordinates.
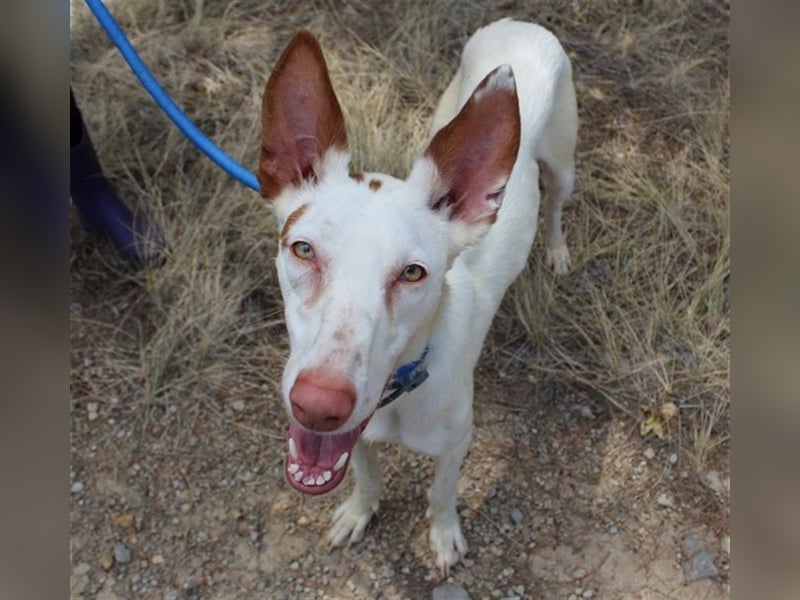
{"type": "Point", "coordinates": [181, 494]}
{"type": "Point", "coordinates": [559, 498]}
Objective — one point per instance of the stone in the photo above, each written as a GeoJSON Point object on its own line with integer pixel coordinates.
{"type": "Point", "coordinates": [122, 553]}
{"type": "Point", "coordinates": [450, 591]}
{"type": "Point", "coordinates": [697, 562]}
{"type": "Point", "coordinates": [516, 516]}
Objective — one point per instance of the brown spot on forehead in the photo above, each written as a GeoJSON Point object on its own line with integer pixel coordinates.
{"type": "Point", "coordinates": [375, 184]}
{"type": "Point", "coordinates": [358, 177]}
{"type": "Point", "coordinates": [291, 220]}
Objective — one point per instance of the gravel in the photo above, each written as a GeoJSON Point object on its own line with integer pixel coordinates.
{"type": "Point", "coordinates": [122, 553]}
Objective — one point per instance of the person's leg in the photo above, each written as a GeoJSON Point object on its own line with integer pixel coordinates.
{"type": "Point", "coordinates": [99, 207]}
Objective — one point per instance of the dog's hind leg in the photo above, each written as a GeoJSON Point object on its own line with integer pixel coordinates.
{"type": "Point", "coordinates": [556, 157]}
{"type": "Point", "coordinates": [351, 518]}
{"type": "Point", "coordinates": [446, 539]}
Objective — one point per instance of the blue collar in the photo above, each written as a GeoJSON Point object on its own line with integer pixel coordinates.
{"type": "Point", "coordinates": [407, 377]}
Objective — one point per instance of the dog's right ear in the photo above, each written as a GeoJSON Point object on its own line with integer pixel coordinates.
{"type": "Point", "coordinates": [301, 120]}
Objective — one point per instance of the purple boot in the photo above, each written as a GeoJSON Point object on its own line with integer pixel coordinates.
{"type": "Point", "coordinates": [99, 207]}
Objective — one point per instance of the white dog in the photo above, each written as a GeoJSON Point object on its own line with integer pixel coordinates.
{"type": "Point", "coordinates": [390, 286]}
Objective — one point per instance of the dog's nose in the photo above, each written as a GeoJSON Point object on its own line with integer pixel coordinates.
{"type": "Point", "coordinates": [322, 404]}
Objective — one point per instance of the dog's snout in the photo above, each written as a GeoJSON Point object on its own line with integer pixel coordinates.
{"type": "Point", "coordinates": [322, 404]}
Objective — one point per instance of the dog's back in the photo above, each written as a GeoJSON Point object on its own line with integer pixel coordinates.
{"type": "Point", "coordinates": [548, 118]}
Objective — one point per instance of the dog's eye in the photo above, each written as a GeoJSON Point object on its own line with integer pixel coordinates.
{"type": "Point", "coordinates": [413, 273]}
{"type": "Point", "coordinates": [303, 250]}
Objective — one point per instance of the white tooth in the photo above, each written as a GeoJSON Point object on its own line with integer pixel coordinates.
{"type": "Point", "coordinates": [342, 459]}
{"type": "Point", "coordinates": [320, 480]}
{"type": "Point", "coordinates": [308, 481]}
{"type": "Point", "coordinates": [292, 449]}
{"type": "Point", "coordinates": [298, 476]}
{"type": "Point", "coordinates": [327, 475]}
{"type": "Point", "coordinates": [293, 468]}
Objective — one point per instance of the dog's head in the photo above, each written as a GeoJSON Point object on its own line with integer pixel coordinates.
{"type": "Point", "coordinates": [362, 260]}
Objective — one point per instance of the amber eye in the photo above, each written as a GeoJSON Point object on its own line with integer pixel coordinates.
{"type": "Point", "coordinates": [413, 273]}
{"type": "Point", "coordinates": [303, 250]}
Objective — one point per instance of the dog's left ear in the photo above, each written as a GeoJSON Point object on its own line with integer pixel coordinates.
{"type": "Point", "coordinates": [301, 120]}
{"type": "Point", "coordinates": [468, 162]}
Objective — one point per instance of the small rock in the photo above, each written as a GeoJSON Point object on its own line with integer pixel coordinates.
{"type": "Point", "coordinates": [586, 412]}
{"type": "Point", "coordinates": [238, 405]}
{"type": "Point", "coordinates": [673, 459]}
{"type": "Point", "coordinates": [107, 561]}
{"type": "Point", "coordinates": [123, 520]}
{"type": "Point", "coordinates": [496, 550]}
{"type": "Point", "coordinates": [91, 407]}
{"type": "Point", "coordinates": [665, 500]}
{"type": "Point", "coordinates": [171, 595]}
{"type": "Point", "coordinates": [579, 573]}
{"type": "Point", "coordinates": [157, 560]}
{"type": "Point", "coordinates": [185, 507]}
{"type": "Point", "coordinates": [516, 516]}
{"type": "Point", "coordinates": [450, 591]}
{"type": "Point", "coordinates": [588, 593]}
{"type": "Point", "coordinates": [725, 544]}
{"type": "Point", "coordinates": [76, 488]}
{"type": "Point", "coordinates": [92, 416]}
{"type": "Point", "coordinates": [697, 563]}
{"type": "Point", "coordinates": [122, 553]}
{"type": "Point", "coordinates": [613, 530]}
{"type": "Point", "coordinates": [82, 569]}
{"type": "Point", "coordinates": [649, 454]}
{"type": "Point", "coordinates": [303, 521]}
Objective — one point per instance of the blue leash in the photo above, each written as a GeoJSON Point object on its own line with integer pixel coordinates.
{"type": "Point", "coordinates": [189, 129]}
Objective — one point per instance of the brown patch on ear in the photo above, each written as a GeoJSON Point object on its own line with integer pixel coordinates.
{"type": "Point", "coordinates": [478, 148]}
{"type": "Point", "coordinates": [293, 217]}
{"type": "Point", "coordinates": [300, 117]}
{"type": "Point", "coordinates": [357, 177]}
{"type": "Point", "coordinates": [375, 184]}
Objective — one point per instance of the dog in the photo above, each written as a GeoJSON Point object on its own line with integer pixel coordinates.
{"type": "Point", "coordinates": [389, 285]}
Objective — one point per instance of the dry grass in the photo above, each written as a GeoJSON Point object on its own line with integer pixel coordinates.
{"type": "Point", "coordinates": [641, 319]}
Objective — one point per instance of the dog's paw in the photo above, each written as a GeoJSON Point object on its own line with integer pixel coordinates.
{"type": "Point", "coordinates": [558, 258]}
{"type": "Point", "coordinates": [448, 544]}
{"type": "Point", "coordinates": [350, 520]}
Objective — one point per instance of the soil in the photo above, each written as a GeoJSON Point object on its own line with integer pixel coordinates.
{"type": "Point", "coordinates": [559, 496]}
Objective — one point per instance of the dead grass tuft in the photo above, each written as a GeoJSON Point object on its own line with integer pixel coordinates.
{"type": "Point", "coordinates": [641, 319]}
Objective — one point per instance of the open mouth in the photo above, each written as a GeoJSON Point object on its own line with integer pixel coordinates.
{"type": "Point", "coordinates": [316, 463]}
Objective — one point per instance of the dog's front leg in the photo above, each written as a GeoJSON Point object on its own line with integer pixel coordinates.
{"type": "Point", "coordinates": [447, 541]}
{"type": "Point", "coordinates": [351, 518]}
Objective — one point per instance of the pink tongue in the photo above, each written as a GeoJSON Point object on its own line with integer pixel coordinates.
{"type": "Point", "coordinates": [318, 450]}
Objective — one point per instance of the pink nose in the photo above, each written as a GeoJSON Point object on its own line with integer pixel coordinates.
{"type": "Point", "coordinates": [322, 404]}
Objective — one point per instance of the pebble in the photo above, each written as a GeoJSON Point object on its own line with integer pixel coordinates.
{"type": "Point", "coordinates": [649, 454]}
{"type": "Point", "coordinates": [76, 488]}
{"type": "Point", "coordinates": [613, 530]}
{"type": "Point", "coordinates": [303, 521]}
{"type": "Point", "coordinates": [588, 593]}
{"type": "Point", "coordinates": [725, 545]}
{"type": "Point", "coordinates": [122, 553]}
{"type": "Point", "coordinates": [107, 561]}
{"type": "Point", "coordinates": [82, 569]}
{"type": "Point", "coordinates": [697, 563]}
{"type": "Point", "coordinates": [157, 560]}
{"type": "Point", "coordinates": [665, 500]}
{"type": "Point", "coordinates": [496, 550]}
{"type": "Point", "coordinates": [450, 591]}
{"type": "Point", "coordinates": [238, 405]}
{"type": "Point", "coordinates": [579, 573]}
{"type": "Point", "coordinates": [516, 516]}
